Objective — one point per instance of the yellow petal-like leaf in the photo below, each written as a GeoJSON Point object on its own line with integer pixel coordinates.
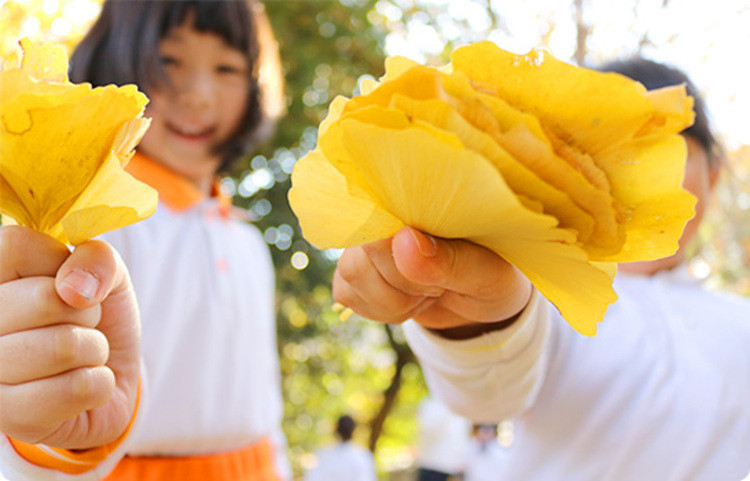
{"type": "Point", "coordinates": [522, 180]}
{"type": "Point", "coordinates": [334, 212]}
{"type": "Point", "coordinates": [590, 109]}
{"type": "Point", "coordinates": [455, 193]}
{"type": "Point", "coordinates": [396, 66]}
{"type": "Point", "coordinates": [113, 200]}
{"type": "Point", "coordinates": [11, 205]}
{"type": "Point", "coordinates": [673, 111]}
{"type": "Point", "coordinates": [62, 147]}
{"type": "Point", "coordinates": [45, 62]}
{"type": "Point", "coordinates": [55, 159]}
{"type": "Point", "coordinates": [647, 175]}
{"type": "Point", "coordinates": [560, 170]}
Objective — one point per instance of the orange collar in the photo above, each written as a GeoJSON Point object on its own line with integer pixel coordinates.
{"type": "Point", "coordinates": [175, 191]}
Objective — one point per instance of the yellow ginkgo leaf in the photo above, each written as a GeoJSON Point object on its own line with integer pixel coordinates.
{"type": "Point", "coordinates": [99, 208]}
{"type": "Point", "coordinates": [608, 235]}
{"type": "Point", "coordinates": [656, 207]}
{"type": "Point", "coordinates": [560, 170]}
{"type": "Point", "coordinates": [590, 109]}
{"type": "Point", "coordinates": [522, 180]}
{"type": "Point", "coordinates": [57, 143]}
{"type": "Point", "coordinates": [319, 207]}
{"type": "Point", "coordinates": [395, 66]}
{"type": "Point", "coordinates": [522, 135]}
{"type": "Point", "coordinates": [44, 62]}
{"type": "Point", "coordinates": [673, 111]}
{"type": "Point", "coordinates": [425, 179]}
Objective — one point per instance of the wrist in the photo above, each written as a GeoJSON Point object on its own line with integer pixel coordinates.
{"type": "Point", "coordinates": [470, 331]}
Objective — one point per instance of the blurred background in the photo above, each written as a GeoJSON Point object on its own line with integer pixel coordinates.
{"type": "Point", "coordinates": [331, 366]}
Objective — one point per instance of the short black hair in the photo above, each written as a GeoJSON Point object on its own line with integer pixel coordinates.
{"type": "Point", "coordinates": [345, 427]}
{"type": "Point", "coordinates": [655, 75]}
{"type": "Point", "coordinates": [122, 47]}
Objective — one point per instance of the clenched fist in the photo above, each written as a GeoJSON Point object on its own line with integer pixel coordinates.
{"type": "Point", "coordinates": [69, 341]}
{"type": "Point", "coordinates": [452, 286]}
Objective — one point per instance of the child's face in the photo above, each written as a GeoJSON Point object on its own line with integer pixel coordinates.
{"type": "Point", "coordinates": [201, 108]}
{"type": "Point", "coordinates": [699, 181]}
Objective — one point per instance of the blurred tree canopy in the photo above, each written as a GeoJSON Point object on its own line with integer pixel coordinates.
{"type": "Point", "coordinates": [330, 366]}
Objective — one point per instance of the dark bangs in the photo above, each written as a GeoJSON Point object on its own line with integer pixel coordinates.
{"type": "Point", "coordinates": [123, 47]}
{"type": "Point", "coordinates": [230, 20]}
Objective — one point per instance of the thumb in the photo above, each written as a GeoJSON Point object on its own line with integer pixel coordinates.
{"type": "Point", "coordinates": [92, 272]}
{"type": "Point", "coordinates": [456, 265]}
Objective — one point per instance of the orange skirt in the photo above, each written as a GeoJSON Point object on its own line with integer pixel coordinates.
{"type": "Point", "coordinates": [254, 463]}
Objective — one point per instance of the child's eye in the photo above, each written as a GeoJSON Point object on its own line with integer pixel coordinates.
{"type": "Point", "coordinates": [228, 69]}
{"type": "Point", "coordinates": [168, 61]}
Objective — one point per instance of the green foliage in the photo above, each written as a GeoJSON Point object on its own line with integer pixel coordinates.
{"type": "Point", "coordinates": [329, 366]}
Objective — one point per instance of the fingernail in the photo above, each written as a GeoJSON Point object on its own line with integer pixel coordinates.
{"type": "Point", "coordinates": [82, 282]}
{"type": "Point", "coordinates": [426, 244]}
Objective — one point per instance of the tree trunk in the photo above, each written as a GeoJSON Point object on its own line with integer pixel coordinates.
{"type": "Point", "coordinates": [582, 33]}
{"type": "Point", "coordinates": [404, 356]}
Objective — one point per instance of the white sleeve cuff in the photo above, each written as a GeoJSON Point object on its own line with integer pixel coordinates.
{"type": "Point", "coordinates": [14, 467]}
{"type": "Point", "coordinates": [494, 376]}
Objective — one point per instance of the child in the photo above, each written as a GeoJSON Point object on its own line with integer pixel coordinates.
{"type": "Point", "coordinates": [206, 402]}
{"type": "Point", "coordinates": [661, 393]}
{"type": "Point", "coordinates": [484, 457]}
{"type": "Point", "coordinates": [346, 460]}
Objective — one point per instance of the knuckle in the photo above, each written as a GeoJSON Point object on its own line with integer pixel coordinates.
{"type": "Point", "coordinates": [82, 385]}
{"type": "Point", "coordinates": [451, 264]}
{"type": "Point", "coordinates": [92, 387]}
{"type": "Point", "coordinates": [45, 297]}
{"type": "Point", "coordinates": [10, 236]}
{"type": "Point", "coordinates": [343, 293]}
{"type": "Point", "coordinates": [353, 267]}
{"type": "Point", "coordinates": [403, 307]}
{"type": "Point", "coordinates": [66, 345]}
{"type": "Point", "coordinates": [100, 346]}
{"type": "Point", "coordinates": [486, 290]}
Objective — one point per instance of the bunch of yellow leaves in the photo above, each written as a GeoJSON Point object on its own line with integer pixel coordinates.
{"type": "Point", "coordinates": [560, 170]}
{"type": "Point", "coordinates": [63, 147]}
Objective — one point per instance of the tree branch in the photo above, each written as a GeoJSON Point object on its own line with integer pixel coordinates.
{"type": "Point", "coordinates": [404, 356]}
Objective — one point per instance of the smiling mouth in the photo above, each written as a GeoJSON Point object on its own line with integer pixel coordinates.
{"type": "Point", "coordinates": [193, 134]}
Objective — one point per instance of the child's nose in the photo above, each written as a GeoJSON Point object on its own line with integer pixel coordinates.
{"type": "Point", "coordinates": [196, 91]}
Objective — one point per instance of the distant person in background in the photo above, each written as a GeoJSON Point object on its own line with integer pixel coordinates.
{"type": "Point", "coordinates": [346, 461]}
{"type": "Point", "coordinates": [485, 457]}
{"type": "Point", "coordinates": [444, 438]}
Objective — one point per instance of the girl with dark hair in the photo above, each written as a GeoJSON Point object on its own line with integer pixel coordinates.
{"type": "Point", "coordinates": [202, 400]}
{"type": "Point", "coordinates": [661, 393]}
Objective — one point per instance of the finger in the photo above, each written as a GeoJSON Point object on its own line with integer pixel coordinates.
{"type": "Point", "coordinates": [382, 257]}
{"type": "Point", "coordinates": [54, 400]}
{"type": "Point", "coordinates": [437, 316]}
{"type": "Point", "coordinates": [32, 302]}
{"type": "Point", "coordinates": [36, 354]}
{"type": "Point", "coordinates": [358, 270]}
{"type": "Point", "coordinates": [346, 295]}
{"type": "Point", "coordinates": [92, 272]}
{"type": "Point", "coordinates": [457, 265]}
{"type": "Point", "coordinates": [500, 306]}
{"type": "Point", "coordinates": [25, 252]}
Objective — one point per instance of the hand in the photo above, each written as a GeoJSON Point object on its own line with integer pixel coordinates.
{"type": "Point", "coordinates": [69, 341]}
{"type": "Point", "coordinates": [453, 286]}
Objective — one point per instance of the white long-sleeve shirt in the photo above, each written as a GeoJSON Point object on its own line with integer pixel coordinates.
{"type": "Point", "coordinates": [205, 289]}
{"type": "Point", "coordinates": [345, 461]}
{"type": "Point", "coordinates": [662, 392]}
